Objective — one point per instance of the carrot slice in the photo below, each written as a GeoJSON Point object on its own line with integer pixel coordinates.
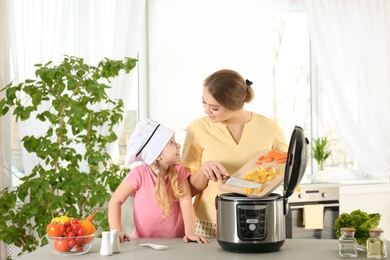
{"type": "Point", "coordinates": [272, 154]}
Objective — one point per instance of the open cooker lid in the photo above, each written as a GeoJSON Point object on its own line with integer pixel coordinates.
{"type": "Point", "coordinates": [296, 161]}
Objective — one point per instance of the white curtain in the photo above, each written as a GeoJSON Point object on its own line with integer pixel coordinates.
{"type": "Point", "coordinates": [43, 30]}
{"type": "Point", "coordinates": [351, 44]}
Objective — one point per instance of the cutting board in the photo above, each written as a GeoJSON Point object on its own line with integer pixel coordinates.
{"type": "Point", "coordinates": [268, 187]}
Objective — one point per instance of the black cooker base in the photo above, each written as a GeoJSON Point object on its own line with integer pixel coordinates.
{"type": "Point", "coordinates": [251, 247]}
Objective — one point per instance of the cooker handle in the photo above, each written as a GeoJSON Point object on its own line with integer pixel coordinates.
{"type": "Point", "coordinates": [285, 207]}
{"type": "Point", "coordinates": [325, 205]}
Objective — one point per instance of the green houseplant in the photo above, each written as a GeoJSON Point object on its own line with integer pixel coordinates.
{"type": "Point", "coordinates": [75, 176]}
{"type": "Point", "coordinates": [320, 151]}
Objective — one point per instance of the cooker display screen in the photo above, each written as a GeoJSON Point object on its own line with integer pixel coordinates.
{"type": "Point", "coordinates": [251, 223]}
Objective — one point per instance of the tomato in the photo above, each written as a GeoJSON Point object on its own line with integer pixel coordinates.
{"type": "Point", "coordinates": [76, 227]}
{"type": "Point", "coordinates": [68, 230]}
{"type": "Point", "coordinates": [71, 234]}
{"type": "Point", "coordinates": [79, 248]}
{"type": "Point", "coordinates": [79, 241]}
{"type": "Point", "coordinates": [55, 229]}
{"type": "Point", "coordinates": [71, 242]}
{"type": "Point", "coordinates": [67, 224]}
{"type": "Point", "coordinates": [81, 232]}
{"type": "Point", "coordinates": [62, 245]}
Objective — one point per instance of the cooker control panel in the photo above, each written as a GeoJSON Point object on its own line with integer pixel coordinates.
{"type": "Point", "coordinates": [251, 222]}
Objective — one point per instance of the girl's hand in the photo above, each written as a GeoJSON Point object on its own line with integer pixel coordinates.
{"type": "Point", "coordinates": [195, 238]}
{"type": "Point", "coordinates": [214, 171]}
{"type": "Point", "coordinates": [123, 237]}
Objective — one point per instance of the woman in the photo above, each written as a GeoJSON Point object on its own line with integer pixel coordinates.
{"type": "Point", "coordinates": [220, 143]}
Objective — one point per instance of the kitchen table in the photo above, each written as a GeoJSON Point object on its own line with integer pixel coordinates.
{"type": "Point", "coordinates": [302, 249]}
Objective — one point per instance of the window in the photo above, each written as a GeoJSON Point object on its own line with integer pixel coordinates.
{"type": "Point", "coordinates": [39, 41]}
{"type": "Point", "coordinates": [275, 58]}
{"type": "Point", "coordinates": [180, 68]}
{"type": "Point", "coordinates": [296, 96]}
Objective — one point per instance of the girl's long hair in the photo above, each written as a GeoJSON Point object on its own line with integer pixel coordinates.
{"type": "Point", "coordinates": [166, 195]}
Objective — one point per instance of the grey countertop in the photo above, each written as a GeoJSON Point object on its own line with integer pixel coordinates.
{"type": "Point", "coordinates": [292, 249]}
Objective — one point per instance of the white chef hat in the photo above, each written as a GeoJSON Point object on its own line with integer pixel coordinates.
{"type": "Point", "coordinates": [147, 141]}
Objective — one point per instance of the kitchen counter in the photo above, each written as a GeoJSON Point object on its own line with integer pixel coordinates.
{"type": "Point", "coordinates": [292, 249]}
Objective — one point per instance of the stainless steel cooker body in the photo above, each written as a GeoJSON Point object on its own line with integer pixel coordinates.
{"type": "Point", "coordinates": [250, 224]}
{"type": "Point", "coordinates": [258, 224]}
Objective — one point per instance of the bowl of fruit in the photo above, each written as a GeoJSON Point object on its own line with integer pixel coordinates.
{"type": "Point", "coordinates": [70, 236]}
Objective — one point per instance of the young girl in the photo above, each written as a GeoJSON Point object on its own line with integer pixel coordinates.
{"type": "Point", "coordinates": [162, 196]}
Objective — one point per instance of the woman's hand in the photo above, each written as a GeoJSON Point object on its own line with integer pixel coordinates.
{"type": "Point", "coordinates": [195, 238]}
{"type": "Point", "coordinates": [214, 171]}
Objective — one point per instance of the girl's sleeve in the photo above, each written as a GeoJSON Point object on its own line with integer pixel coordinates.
{"type": "Point", "coordinates": [183, 172]}
{"type": "Point", "coordinates": [133, 178]}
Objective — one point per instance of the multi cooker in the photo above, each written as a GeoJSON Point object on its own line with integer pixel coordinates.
{"type": "Point", "coordinates": [247, 224]}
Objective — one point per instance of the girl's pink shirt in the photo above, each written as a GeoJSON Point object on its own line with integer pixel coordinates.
{"type": "Point", "coordinates": [148, 219]}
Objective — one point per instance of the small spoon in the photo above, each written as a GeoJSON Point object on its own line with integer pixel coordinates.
{"type": "Point", "coordinates": [155, 246]}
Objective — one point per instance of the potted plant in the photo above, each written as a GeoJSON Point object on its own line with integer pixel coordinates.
{"type": "Point", "coordinates": [320, 154]}
{"type": "Point", "coordinates": [75, 176]}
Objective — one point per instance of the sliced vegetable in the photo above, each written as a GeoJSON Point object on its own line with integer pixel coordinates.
{"type": "Point", "coordinates": [260, 175]}
{"type": "Point", "coordinates": [273, 155]}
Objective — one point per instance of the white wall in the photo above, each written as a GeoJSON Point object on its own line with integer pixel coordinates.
{"type": "Point", "coordinates": [192, 39]}
{"type": "Point", "coordinates": [370, 198]}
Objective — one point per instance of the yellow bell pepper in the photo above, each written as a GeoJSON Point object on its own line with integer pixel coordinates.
{"type": "Point", "coordinates": [61, 219]}
{"type": "Point", "coordinates": [56, 220]}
